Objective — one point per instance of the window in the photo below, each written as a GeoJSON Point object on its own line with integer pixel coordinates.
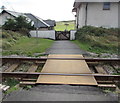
{"type": "Point", "coordinates": [106, 6]}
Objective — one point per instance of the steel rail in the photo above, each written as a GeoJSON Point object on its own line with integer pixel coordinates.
{"type": "Point", "coordinates": [98, 77]}
{"type": "Point", "coordinates": [63, 74]}
{"type": "Point", "coordinates": [86, 59]}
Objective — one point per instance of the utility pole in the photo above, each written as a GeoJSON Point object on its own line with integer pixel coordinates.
{"type": "Point", "coordinates": [37, 31]}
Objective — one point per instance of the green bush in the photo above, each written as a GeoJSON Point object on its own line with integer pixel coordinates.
{"type": "Point", "coordinates": [9, 38]}
{"type": "Point", "coordinates": [6, 45]}
{"type": "Point", "coordinates": [18, 24]}
{"type": "Point", "coordinates": [99, 38]}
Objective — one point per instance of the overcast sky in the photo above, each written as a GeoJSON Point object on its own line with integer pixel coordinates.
{"type": "Point", "coordinates": [46, 9]}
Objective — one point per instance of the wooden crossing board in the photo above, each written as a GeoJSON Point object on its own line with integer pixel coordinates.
{"type": "Point", "coordinates": [58, 79]}
{"type": "Point", "coordinates": [66, 67]}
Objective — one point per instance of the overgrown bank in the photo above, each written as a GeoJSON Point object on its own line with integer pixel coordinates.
{"type": "Point", "coordinates": [98, 40]}
{"type": "Point", "coordinates": [14, 43]}
{"type": "Point", "coordinates": [9, 38]}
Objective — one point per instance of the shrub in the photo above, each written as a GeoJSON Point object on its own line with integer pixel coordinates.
{"type": "Point", "coordinates": [99, 37]}
{"type": "Point", "coordinates": [9, 38]}
{"type": "Point", "coordinates": [18, 24]}
{"type": "Point", "coordinates": [6, 45]}
{"type": "Point", "coordinates": [96, 31]}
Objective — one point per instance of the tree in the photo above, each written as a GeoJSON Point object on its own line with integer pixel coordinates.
{"type": "Point", "coordinates": [18, 24]}
{"type": "Point", "coordinates": [21, 22]}
{"type": "Point", "coordinates": [10, 24]}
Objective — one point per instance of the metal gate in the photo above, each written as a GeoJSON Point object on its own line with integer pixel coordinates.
{"type": "Point", "coordinates": [62, 35]}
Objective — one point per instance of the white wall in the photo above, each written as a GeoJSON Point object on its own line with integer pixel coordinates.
{"type": "Point", "coordinates": [81, 20]}
{"type": "Point", "coordinates": [72, 34]}
{"type": "Point", "coordinates": [43, 34]}
{"type": "Point", "coordinates": [97, 16]}
{"type": "Point", "coordinates": [4, 17]}
{"type": "Point", "coordinates": [119, 15]}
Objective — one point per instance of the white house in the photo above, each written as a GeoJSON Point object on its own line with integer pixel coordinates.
{"type": "Point", "coordinates": [99, 13]}
{"type": "Point", "coordinates": [36, 21]}
{"type": "Point", "coordinates": [6, 14]}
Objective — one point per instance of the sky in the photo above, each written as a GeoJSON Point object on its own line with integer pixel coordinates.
{"type": "Point", "coordinates": [58, 10]}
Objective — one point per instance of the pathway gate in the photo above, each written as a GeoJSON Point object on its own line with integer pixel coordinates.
{"type": "Point", "coordinates": [62, 35]}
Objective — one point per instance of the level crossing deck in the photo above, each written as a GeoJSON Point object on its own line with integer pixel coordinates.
{"type": "Point", "coordinates": [66, 67]}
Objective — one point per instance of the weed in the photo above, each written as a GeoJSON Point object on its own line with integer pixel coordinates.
{"type": "Point", "coordinates": [12, 83]}
{"type": "Point", "coordinates": [27, 87]}
{"type": "Point", "coordinates": [98, 40]}
{"type": "Point", "coordinates": [27, 46]}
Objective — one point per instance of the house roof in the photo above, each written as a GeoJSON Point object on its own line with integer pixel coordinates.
{"type": "Point", "coordinates": [13, 13]}
{"type": "Point", "coordinates": [77, 2]}
{"type": "Point", "coordinates": [50, 22]}
{"type": "Point", "coordinates": [97, 0]}
{"type": "Point", "coordinates": [38, 22]}
{"type": "Point", "coordinates": [42, 21]}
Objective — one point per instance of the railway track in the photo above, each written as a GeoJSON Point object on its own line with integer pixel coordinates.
{"type": "Point", "coordinates": [45, 58]}
{"type": "Point", "coordinates": [33, 66]}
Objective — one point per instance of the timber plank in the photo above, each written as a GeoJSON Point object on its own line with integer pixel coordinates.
{"type": "Point", "coordinates": [12, 67]}
{"type": "Point", "coordinates": [107, 85]}
{"type": "Point", "coordinates": [33, 68]}
{"type": "Point", "coordinates": [100, 70]}
{"type": "Point", "coordinates": [27, 83]}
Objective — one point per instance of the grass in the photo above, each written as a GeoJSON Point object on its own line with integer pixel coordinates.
{"type": "Point", "coordinates": [97, 39]}
{"type": "Point", "coordinates": [9, 38]}
{"type": "Point", "coordinates": [88, 47]}
{"type": "Point", "coordinates": [28, 46]}
{"type": "Point", "coordinates": [12, 83]}
{"type": "Point", "coordinates": [60, 26]}
{"type": "Point", "coordinates": [12, 89]}
{"type": "Point", "coordinates": [39, 69]}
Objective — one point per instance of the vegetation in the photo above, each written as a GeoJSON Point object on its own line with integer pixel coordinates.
{"type": "Point", "coordinates": [16, 43]}
{"type": "Point", "coordinates": [15, 38]}
{"type": "Point", "coordinates": [9, 38]}
{"type": "Point", "coordinates": [27, 87]}
{"type": "Point", "coordinates": [18, 24]}
{"type": "Point", "coordinates": [12, 83]}
{"type": "Point", "coordinates": [60, 26]}
{"type": "Point", "coordinates": [98, 40]}
{"type": "Point", "coordinates": [39, 68]}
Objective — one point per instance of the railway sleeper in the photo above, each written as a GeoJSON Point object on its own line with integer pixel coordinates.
{"type": "Point", "coordinates": [28, 79]}
{"type": "Point", "coordinates": [107, 86]}
{"type": "Point", "coordinates": [25, 83]}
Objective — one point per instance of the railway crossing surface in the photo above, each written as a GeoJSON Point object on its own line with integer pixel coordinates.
{"type": "Point", "coordinates": [67, 66]}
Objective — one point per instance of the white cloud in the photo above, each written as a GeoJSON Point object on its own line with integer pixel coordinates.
{"type": "Point", "coordinates": [46, 9]}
